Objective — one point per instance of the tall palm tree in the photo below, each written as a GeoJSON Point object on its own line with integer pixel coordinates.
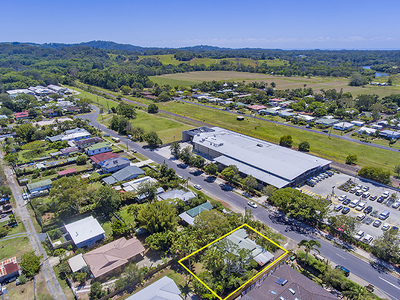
{"type": "Point", "coordinates": [308, 246]}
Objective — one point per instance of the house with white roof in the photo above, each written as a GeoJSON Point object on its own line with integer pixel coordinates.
{"type": "Point", "coordinates": [85, 233]}
{"type": "Point", "coordinates": [343, 126]}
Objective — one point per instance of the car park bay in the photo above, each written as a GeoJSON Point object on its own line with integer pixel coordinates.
{"type": "Point", "coordinates": [325, 187]}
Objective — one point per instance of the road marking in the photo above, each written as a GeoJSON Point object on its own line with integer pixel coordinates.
{"type": "Point", "coordinates": [340, 256]}
{"type": "Point", "coordinates": [389, 283]}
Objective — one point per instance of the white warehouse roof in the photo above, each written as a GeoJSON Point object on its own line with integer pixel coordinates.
{"type": "Point", "coordinates": [265, 161]}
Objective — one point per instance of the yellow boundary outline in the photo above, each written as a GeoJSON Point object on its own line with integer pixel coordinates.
{"type": "Point", "coordinates": [214, 293]}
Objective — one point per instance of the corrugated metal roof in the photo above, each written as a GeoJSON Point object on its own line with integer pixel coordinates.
{"type": "Point", "coordinates": [84, 229]}
{"type": "Point", "coordinates": [98, 146]}
{"type": "Point", "coordinates": [38, 184]}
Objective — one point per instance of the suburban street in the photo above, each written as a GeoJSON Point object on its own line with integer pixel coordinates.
{"type": "Point", "coordinates": [48, 272]}
{"type": "Point", "coordinates": [293, 229]}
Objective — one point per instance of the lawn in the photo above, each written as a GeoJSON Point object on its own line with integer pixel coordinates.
{"type": "Point", "coordinates": [331, 148]}
{"type": "Point", "coordinates": [14, 247]}
{"type": "Point", "coordinates": [100, 101]}
{"type": "Point", "coordinates": [168, 130]}
{"type": "Point", "coordinates": [21, 292]}
{"type": "Point", "coordinates": [282, 83]}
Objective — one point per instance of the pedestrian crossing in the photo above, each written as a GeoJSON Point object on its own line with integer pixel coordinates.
{"type": "Point", "coordinates": [306, 191]}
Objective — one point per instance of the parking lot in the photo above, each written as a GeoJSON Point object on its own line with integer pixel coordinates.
{"type": "Point", "coordinates": [327, 185]}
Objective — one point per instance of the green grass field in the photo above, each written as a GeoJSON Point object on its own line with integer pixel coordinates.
{"type": "Point", "coordinates": [14, 247]}
{"type": "Point", "coordinates": [168, 130]}
{"type": "Point", "coordinates": [330, 148]}
{"type": "Point", "coordinates": [100, 101]}
{"type": "Point", "coordinates": [170, 60]}
{"type": "Point", "coordinates": [282, 83]}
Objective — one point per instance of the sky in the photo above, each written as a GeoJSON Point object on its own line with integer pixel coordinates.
{"type": "Point", "coordinates": [282, 24]}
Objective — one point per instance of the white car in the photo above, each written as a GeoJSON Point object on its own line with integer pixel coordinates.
{"type": "Point", "coordinates": [361, 217]}
{"type": "Point", "coordinates": [367, 239]}
{"type": "Point", "coordinates": [360, 206]}
{"type": "Point", "coordinates": [385, 194]}
{"type": "Point", "coordinates": [359, 235]}
{"type": "Point", "coordinates": [385, 227]}
{"type": "Point", "coordinates": [396, 205]}
{"type": "Point", "coordinates": [197, 186]}
{"type": "Point", "coordinates": [252, 204]}
{"type": "Point", "coordinates": [342, 198]}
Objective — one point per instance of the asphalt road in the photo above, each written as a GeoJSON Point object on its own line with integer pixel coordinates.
{"type": "Point", "coordinates": [48, 272]}
{"type": "Point", "coordinates": [293, 229]}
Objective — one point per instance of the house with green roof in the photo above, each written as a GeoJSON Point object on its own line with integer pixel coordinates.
{"type": "Point", "coordinates": [189, 215]}
{"type": "Point", "coordinates": [39, 186]}
{"type": "Point", "coordinates": [98, 148]}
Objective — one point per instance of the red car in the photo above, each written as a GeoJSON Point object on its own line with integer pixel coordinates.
{"type": "Point", "coordinates": [341, 228]}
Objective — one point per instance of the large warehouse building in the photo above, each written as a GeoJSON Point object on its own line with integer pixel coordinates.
{"type": "Point", "coordinates": [268, 163]}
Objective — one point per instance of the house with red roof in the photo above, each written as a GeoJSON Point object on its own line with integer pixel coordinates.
{"type": "Point", "coordinates": [8, 269]}
{"type": "Point", "coordinates": [256, 107]}
{"type": "Point", "coordinates": [67, 172]}
{"type": "Point", "coordinates": [98, 158]}
{"type": "Point", "coordinates": [21, 115]}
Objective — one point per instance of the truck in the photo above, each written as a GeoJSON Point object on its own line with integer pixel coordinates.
{"type": "Point", "coordinates": [354, 203]}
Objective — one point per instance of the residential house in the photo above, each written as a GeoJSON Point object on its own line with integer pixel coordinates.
{"type": "Point", "coordinates": [85, 233]}
{"type": "Point", "coordinates": [69, 151]}
{"type": "Point", "coordinates": [241, 239]}
{"type": "Point", "coordinates": [81, 144]}
{"type": "Point", "coordinates": [286, 113]}
{"type": "Point", "coordinates": [124, 174]}
{"type": "Point", "coordinates": [56, 138]}
{"type": "Point", "coordinates": [76, 134]}
{"type": "Point", "coordinates": [366, 130]}
{"type": "Point", "coordinates": [289, 284]}
{"type": "Point", "coordinates": [9, 269]}
{"type": "Point", "coordinates": [111, 258]}
{"type": "Point", "coordinates": [177, 194]}
{"type": "Point", "coordinates": [377, 127]}
{"type": "Point", "coordinates": [50, 113]}
{"type": "Point", "coordinates": [114, 164]}
{"type": "Point", "coordinates": [77, 263]}
{"type": "Point", "coordinates": [270, 111]}
{"type": "Point", "coordinates": [73, 109]}
{"type": "Point", "coordinates": [39, 186]}
{"type": "Point", "coordinates": [21, 115]}
{"type": "Point", "coordinates": [326, 121]}
{"type": "Point", "coordinates": [189, 215]}
{"type": "Point", "coordinates": [41, 90]}
{"type": "Point", "coordinates": [98, 148]}
{"type": "Point", "coordinates": [256, 107]}
{"type": "Point", "coordinates": [306, 118]}
{"type": "Point", "coordinates": [163, 289]}
{"type": "Point", "coordinates": [390, 134]}
{"type": "Point", "coordinates": [383, 123]}
{"type": "Point", "coordinates": [98, 158]}
{"type": "Point", "coordinates": [275, 101]}
{"type": "Point", "coordinates": [343, 126]}
{"type": "Point", "coordinates": [358, 123]}
{"type": "Point", "coordinates": [67, 172]}
{"type": "Point", "coordinates": [134, 184]}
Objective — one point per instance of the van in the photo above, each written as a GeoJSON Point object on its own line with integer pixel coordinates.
{"type": "Point", "coordinates": [115, 139]}
{"type": "Point", "coordinates": [384, 215]}
{"type": "Point", "coordinates": [346, 271]}
{"type": "Point", "coordinates": [367, 239]}
{"type": "Point", "coordinates": [354, 203]}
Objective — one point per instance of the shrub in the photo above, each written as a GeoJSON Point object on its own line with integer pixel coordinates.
{"type": "Point", "coordinates": [55, 234]}
{"type": "Point", "coordinates": [376, 174]}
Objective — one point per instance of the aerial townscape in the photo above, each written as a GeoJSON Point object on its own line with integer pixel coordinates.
{"type": "Point", "coordinates": [266, 167]}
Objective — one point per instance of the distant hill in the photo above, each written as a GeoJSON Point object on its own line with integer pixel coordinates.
{"type": "Point", "coordinates": [107, 45]}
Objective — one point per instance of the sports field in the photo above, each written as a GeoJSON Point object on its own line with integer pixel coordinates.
{"type": "Point", "coordinates": [282, 83]}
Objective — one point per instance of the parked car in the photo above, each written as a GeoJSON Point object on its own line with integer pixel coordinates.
{"type": "Point", "coordinates": [359, 235]}
{"type": "Point", "coordinates": [346, 202]}
{"type": "Point", "coordinates": [353, 190]}
{"type": "Point", "coordinates": [368, 209]}
{"type": "Point", "coordinates": [396, 205]}
{"type": "Point", "coordinates": [377, 223]}
{"type": "Point", "coordinates": [380, 199]}
{"type": "Point", "coordinates": [361, 217]}
{"type": "Point", "coordinates": [385, 227]}
{"type": "Point", "coordinates": [359, 192]}
{"type": "Point", "coordinates": [384, 215]}
{"type": "Point", "coordinates": [338, 207]}
{"type": "Point", "coordinates": [341, 228]}
{"type": "Point", "coordinates": [342, 198]}
{"type": "Point", "coordinates": [354, 203]}
{"type": "Point", "coordinates": [372, 198]}
{"type": "Point", "coordinates": [367, 239]}
{"type": "Point", "coordinates": [385, 194]}
{"type": "Point", "coordinates": [197, 186]}
{"type": "Point", "coordinates": [345, 210]}
{"type": "Point", "coordinates": [359, 187]}
{"type": "Point", "coordinates": [360, 206]}
{"type": "Point", "coordinates": [330, 173]}
{"type": "Point", "coordinates": [395, 229]}
{"type": "Point", "coordinates": [365, 195]}
{"type": "Point", "coordinates": [252, 204]}
{"type": "Point", "coordinates": [365, 188]}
